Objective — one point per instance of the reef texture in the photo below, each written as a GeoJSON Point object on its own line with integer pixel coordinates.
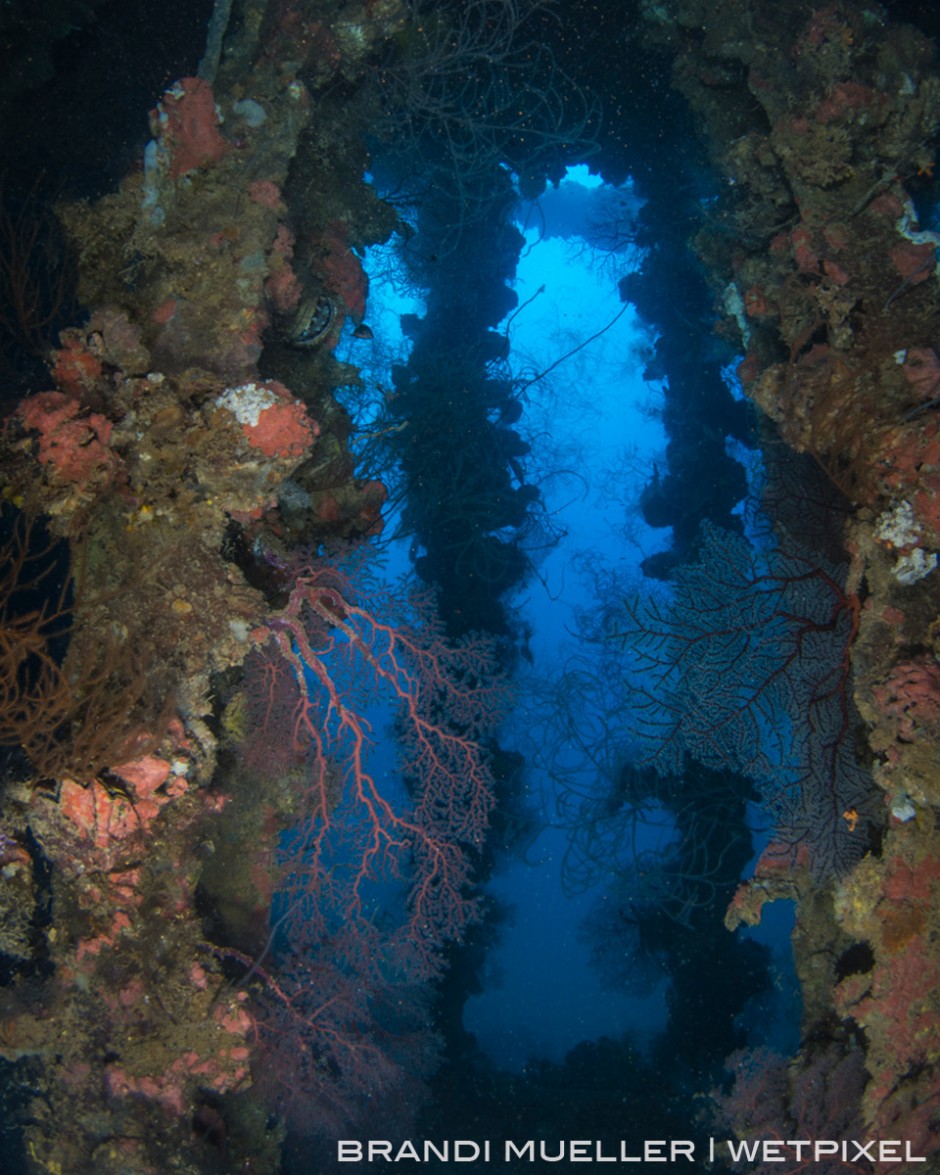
{"type": "Point", "coordinates": [821, 125]}
{"type": "Point", "coordinates": [145, 478]}
{"type": "Point", "coordinates": [189, 437]}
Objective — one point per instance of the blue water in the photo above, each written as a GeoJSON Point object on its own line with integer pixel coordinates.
{"type": "Point", "coordinates": [595, 432]}
{"type": "Point", "coordinates": [594, 420]}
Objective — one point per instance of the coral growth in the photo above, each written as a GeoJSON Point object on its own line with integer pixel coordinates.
{"type": "Point", "coordinates": [749, 669]}
{"type": "Point", "coordinates": [323, 654]}
{"type": "Point", "coordinates": [158, 458]}
{"type": "Point", "coordinates": [831, 285]}
{"type": "Point", "coordinates": [186, 126]}
{"type": "Point", "coordinates": [773, 1102]}
{"type": "Point", "coordinates": [889, 904]}
{"type": "Point", "coordinates": [342, 271]}
{"type": "Point", "coordinates": [331, 1038]}
{"type": "Point", "coordinates": [73, 442]}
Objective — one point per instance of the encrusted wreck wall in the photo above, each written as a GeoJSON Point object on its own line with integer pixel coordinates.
{"type": "Point", "coordinates": [822, 252]}
{"type": "Point", "coordinates": [170, 473]}
{"type": "Point", "coordinates": [188, 441]}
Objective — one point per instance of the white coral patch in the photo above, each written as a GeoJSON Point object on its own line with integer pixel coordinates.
{"type": "Point", "coordinates": [915, 565]}
{"type": "Point", "coordinates": [247, 402]}
{"type": "Point", "coordinates": [902, 809]}
{"type": "Point", "coordinates": [898, 526]}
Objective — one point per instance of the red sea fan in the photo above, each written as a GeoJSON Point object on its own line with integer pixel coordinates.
{"type": "Point", "coordinates": [376, 877]}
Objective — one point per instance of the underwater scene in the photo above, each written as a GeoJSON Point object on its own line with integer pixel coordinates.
{"type": "Point", "coordinates": [469, 606]}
